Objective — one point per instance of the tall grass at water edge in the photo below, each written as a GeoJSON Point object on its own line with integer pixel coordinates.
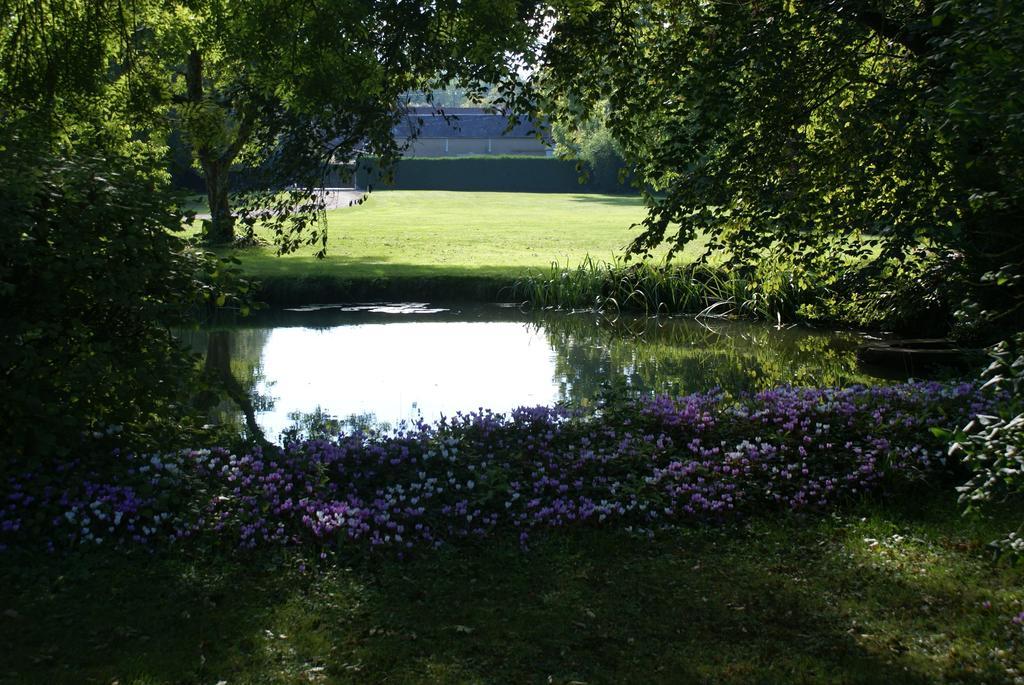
{"type": "Point", "coordinates": [773, 292]}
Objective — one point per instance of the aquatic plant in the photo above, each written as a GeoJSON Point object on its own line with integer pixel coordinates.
{"type": "Point", "coordinates": [663, 287]}
{"type": "Point", "coordinates": [638, 464]}
{"type": "Point", "coordinates": [832, 288]}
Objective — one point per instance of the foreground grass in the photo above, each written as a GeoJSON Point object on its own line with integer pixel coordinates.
{"type": "Point", "coordinates": [897, 593]}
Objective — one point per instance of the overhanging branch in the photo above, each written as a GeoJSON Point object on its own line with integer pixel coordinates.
{"type": "Point", "coordinates": [899, 32]}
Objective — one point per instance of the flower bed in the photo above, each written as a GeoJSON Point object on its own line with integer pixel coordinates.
{"type": "Point", "coordinates": [641, 465]}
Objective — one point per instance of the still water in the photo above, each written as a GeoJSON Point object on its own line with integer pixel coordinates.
{"type": "Point", "coordinates": [384, 364]}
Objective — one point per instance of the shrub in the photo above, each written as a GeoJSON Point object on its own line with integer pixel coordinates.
{"type": "Point", "coordinates": [92, 278]}
{"type": "Point", "coordinates": [992, 444]}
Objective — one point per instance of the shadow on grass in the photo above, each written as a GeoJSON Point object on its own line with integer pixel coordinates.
{"type": "Point", "coordinates": [785, 600]}
{"type": "Point", "coordinates": [363, 267]}
{"type": "Point", "coordinates": [601, 608]}
{"type": "Point", "coordinates": [135, 618]}
{"type": "Point", "coordinates": [266, 263]}
{"type": "Point", "coordinates": [344, 280]}
{"type": "Point", "coordinates": [624, 200]}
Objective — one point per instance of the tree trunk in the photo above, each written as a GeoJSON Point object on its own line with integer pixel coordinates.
{"type": "Point", "coordinates": [218, 368]}
{"type": "Point", "coordinates": [216, 163]}
{"type": "Point", "coordinates": [222, 224]}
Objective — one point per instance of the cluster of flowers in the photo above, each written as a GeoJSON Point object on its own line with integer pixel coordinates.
{"type": "Point", "coordinates": [640, 464]}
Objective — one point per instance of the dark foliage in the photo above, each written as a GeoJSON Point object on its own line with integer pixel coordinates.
{"type": "Point", "coordinates": [91, 280]}
{"type": "Point", "coordinates": [885, 135]}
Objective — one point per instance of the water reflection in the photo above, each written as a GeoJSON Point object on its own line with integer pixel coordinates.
{"type": "Point", "coordinates": [685, 355]}
{"type": "Point", "coordinates": [342, 368]}
{"type": "Point", "coordinates": [397, 371]}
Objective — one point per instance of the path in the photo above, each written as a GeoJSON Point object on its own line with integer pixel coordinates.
{"type": "Point", "coordinates": [334, 198]}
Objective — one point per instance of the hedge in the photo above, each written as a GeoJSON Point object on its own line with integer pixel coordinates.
{"type": "Point", "coordinates": [495, 174]}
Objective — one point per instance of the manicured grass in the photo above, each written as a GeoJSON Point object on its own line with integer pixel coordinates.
{"type": "Point", "coordinates": [550, 248]}
{"type": "Point", "coordinates": [418, 234]}
{"type": "Point", "coordinates": [878, 593]}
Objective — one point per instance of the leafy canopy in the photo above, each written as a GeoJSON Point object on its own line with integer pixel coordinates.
{"type": "Point", "coordinates": [285, 91]}
{"type": "Point", "coordinates": [834, 132]}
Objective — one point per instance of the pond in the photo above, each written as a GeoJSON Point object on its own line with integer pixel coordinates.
{"type": "Point", "coordinates": [382, 364]}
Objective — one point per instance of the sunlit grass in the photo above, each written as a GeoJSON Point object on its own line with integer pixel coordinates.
{"type": "Point", "coordinates": [397, 234]}
{"type": "Point", "coordinates": [551, 249]}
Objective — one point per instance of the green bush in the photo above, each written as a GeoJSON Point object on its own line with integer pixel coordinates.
{"type": "Point", "coordinates": [92, 278]}
{"type": "Point", "coordinates": [992, 445]}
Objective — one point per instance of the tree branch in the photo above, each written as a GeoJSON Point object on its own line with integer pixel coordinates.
{"type": "Point", "coordinates": [247, 122]}
{"type": "Point", "coordinates": [194, 76]}
{"type": "Point", "coordinates": [898, 32]}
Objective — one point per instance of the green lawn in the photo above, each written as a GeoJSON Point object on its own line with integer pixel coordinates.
{"type": "Point", "coordinates": [415, 234]}
{"type": "Point", "coordinates": [898, 593]}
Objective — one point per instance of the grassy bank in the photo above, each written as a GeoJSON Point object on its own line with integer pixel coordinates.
{"type": "Point", "coordinates": [902, 592]}
{"type": "Point", "coordinates": [435, 244]}
{"type": "Point", "coordinates": [550, 249]}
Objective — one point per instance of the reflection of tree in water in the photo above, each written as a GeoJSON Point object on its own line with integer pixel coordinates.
{"type": "Point", "coordinates": [232, 357]}
{"type": "Point", "coordinates": [320, 424]}
{"type": "Point", "coordinates": [683, 356]}
{"type": "Point", "coordinates": [232, 360]}
{"type": "Point", "coordinates": [591, 357]}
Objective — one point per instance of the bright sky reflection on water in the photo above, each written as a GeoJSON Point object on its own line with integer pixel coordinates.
{"type": "Point", "coordinates": [398, 371]}
{"type": "Point", "coordinates": [386, 363]}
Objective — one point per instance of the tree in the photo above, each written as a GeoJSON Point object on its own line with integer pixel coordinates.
{"type": "Point", "coordinates": [283, 90]}
{"type": "Point", "coordinates": [91, 273]}
{"type": "Point", "coordinates": [94, 273]}
{"type": "Point", "coordinates": [833, 132]}
{"type": "Point", "coordinates": [590, 141]}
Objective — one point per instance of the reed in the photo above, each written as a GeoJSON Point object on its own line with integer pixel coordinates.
{"type": "Point", "coordinates": [771, 292]}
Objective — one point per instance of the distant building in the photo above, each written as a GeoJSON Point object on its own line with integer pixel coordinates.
{"type": "Point", "coordinates": [464, 131]}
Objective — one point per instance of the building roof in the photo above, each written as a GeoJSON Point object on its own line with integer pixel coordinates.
{"type": "Point", "coordinates": [462, 122]}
